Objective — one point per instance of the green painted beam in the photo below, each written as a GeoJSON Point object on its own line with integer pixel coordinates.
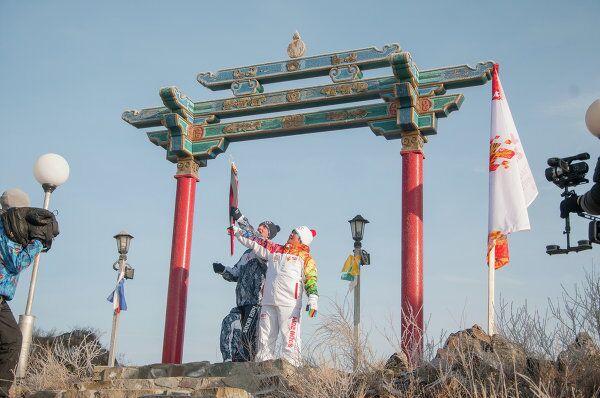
{"type": "Point", "coordinates": [308, 97]}
{"type": "Point", "coordinates": [299, 68]}
{"type": "Point", "coordinates": [206, 141]}
{"type": "Point", "coordinates": [433, 81]}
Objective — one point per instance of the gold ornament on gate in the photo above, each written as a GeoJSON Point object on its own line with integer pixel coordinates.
{"type": "Point", "coordinates": [297, 47]}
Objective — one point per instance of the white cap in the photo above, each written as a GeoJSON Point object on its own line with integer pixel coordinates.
{"type": "Point", "coordinates": [306, 235]}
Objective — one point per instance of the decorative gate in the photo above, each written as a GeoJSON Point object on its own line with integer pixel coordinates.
{"type": "Point", "coordinates": [412, 100]}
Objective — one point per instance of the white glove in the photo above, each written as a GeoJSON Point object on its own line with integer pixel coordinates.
{"type": "Point", "coordinates": [312, 305]}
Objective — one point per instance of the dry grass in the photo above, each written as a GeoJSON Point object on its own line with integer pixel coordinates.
{"type": "Point", "coordinates": [537, 372]}
{"type": "Point", "coordinates": [61, 363]}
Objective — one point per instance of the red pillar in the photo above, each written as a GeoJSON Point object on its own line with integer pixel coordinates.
{"type": "Point", "coordinates": [187, 176]}
{"type": "Point", "coordinates": [412, 247]}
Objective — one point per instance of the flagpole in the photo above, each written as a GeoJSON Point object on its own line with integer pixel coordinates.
{"type": "Point", "coordinates": [491, 275]}
{"type": "Point", "coordinates": [115, 323]}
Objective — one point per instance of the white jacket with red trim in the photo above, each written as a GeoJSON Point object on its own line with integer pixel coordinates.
{"type": "Point", "coordinates": [290, 270]}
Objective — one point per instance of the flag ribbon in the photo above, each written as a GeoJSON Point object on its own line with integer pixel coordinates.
{"type": "Point", "coordinates": [351, 268]}
{"type": "Point", "coordinates": [498, 242]}
{"type": "Point", "coordinates": [117, 296]}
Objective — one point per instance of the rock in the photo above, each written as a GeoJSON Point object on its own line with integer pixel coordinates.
{"type": "Point", "coordinates": [222, 392]}
{"type": "Point", "coordinates": [487, 355]}
{"type": "Point", "coordinates": [511, 356]}
{"type": "Point", "coordinates": [462, 348]}
{"type": "Point", "coordinates": [579, 365]}
{"type": "Point", "coordinates": [397, 363]}
{"type": "Point", "coordinates": [542, 371]}
{"type": "Point", "coordinates": [473, 340]}
{"type": "Point", "coordinates": [448, 386]}
{"type": "Point", "coordinates": [428, 372]}
{"type": "Point", "coordinates": [168, 382]}
{"type": "Point", "coordinates": [584, 348]}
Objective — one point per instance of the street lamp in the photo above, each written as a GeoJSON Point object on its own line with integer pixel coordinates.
{"type": "Point", "coordinates": [592, 118]}
{"type": "Point", "coordinates": [50, 170]}
{"type": "Point", "coordinates": [123, 239]}
{"type": "Point", "coordinates": [357, 227]}
{"type": "Point", "coordinates": [125, 272]}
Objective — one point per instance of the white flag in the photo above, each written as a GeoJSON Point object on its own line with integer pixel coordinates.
{"type": "Point", "coordinates": [512, 188]}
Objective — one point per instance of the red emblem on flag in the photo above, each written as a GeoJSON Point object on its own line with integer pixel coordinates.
{"type": "Point", "coordinates": [498, 151]}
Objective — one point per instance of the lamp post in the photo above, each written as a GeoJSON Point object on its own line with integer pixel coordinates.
{"type": "Point", "coordinates": [125, 272]}
{"type": "Point", "coordinates": [357, 227]}
{"type": "Point", "coordinates": [592, 118]}
{"type": "Point", "coordinates": [51, 171]}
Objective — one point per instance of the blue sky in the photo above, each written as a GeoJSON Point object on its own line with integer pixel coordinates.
{"type": "Point", "coordinates": [69, 69]}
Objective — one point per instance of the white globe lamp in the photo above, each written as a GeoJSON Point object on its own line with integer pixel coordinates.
{"type": "Point", "coordinates": [592, 118]}
{"type": "Point", "coordinates": [51, 169]}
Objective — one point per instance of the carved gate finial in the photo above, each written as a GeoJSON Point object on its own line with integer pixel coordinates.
{"type": "Point", "coordinates": [297, 47]}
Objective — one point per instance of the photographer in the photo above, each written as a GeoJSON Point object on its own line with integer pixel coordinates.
{"type": "Point", "coordinates": [589, 202]}
{"type": "Point", "coordinates": [24, 233]}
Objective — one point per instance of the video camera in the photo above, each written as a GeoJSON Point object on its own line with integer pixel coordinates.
{"type": "Point", "coordinates": [565, 174]}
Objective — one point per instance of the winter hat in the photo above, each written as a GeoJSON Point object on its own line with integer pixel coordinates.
{"type": "Point", "coordinates": [14, 197]}
{"type": "Point", "coordinates": [273, 229]}
{"type": "Point", "coordinates": [306, 235]}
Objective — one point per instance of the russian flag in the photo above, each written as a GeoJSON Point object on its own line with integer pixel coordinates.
{"type": "Point", "coordinates": [119, 303]}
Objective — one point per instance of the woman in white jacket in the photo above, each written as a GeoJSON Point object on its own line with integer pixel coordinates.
{"type": "Point", "coordinates": [290, 270]}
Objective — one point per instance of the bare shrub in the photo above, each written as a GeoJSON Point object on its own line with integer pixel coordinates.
{"type": "Point", "coordinates": [579, 310]}
{"type": "Point", "coordinates": [430, 344]}
{"type": "Point", "coordinates": [534, 331]}
{"type": "Point", "coordinates": [547, 334]}
{"type": "Point", "coordinates": [335, 345]}
{"type": "Point", "coordinates": [336, 363]}
{"type": "Point", "coordinates": [58, 362]}
{"type": "Point", "coordinates": [565, 336]}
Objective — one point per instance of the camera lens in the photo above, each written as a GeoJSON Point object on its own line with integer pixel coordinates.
{"type": "Point", "coordinates": [553, 173]}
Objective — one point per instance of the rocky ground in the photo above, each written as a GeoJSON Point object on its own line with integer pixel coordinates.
{"type": "Point", "coordinates": [471, 364]}
{"type": "Point", "coordinates": [474, 364]}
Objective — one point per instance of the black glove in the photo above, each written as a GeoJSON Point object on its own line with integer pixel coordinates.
{"type": "Point", "coordinates": [218, 268]}
{"type": "Point", "coordinates": [570, 205]}
{"type": "Point", "coordinates": [235, 213]}
{"type": "Point", "coordinates": [39, 234]}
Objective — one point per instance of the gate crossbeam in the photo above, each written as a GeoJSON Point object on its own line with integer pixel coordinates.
{"type": "Point", "coordinates": [207, 141]}
{"type": "Point", "coordinates": [412, 101]}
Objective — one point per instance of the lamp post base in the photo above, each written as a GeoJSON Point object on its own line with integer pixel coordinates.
{"type": "Point", "coordinates": [26, 323]}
